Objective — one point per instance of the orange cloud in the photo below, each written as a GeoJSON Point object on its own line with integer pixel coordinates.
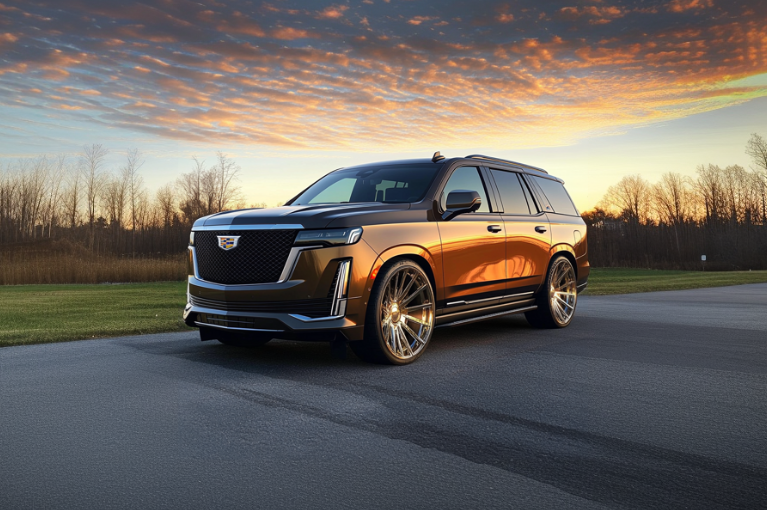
{"type": "Point", "coordinates": [419, 19]}
{"type": "Point", "coordinates": [209, 73]}
{"type": "Point", "coordinates": [686, 5]}
{"type": "Point", "coordinates": [290, 34]}
{"type": "Point", "coordinates": [333, 12]}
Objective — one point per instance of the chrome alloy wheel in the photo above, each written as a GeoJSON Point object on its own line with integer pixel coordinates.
{"type": "Point", "coordinates": [562, 291]}
{"type": "Point", "coordinates": [406, 314]}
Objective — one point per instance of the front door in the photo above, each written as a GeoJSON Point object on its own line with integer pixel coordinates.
{"type": "Point", "coordinates": [473, 247]}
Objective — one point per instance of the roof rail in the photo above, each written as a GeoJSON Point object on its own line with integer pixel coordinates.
{"type": "Point", "coordinates": [490, 158]}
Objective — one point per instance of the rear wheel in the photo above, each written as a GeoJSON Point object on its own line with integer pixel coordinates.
{"type": "Point", "coordinates": [400, 316]}
{"type": "Point", "coordinates": [556, 301]}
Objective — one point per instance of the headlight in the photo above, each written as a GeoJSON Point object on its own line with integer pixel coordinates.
{"type": "Point", "coordinates": [334, 237]}
{"type": "Point", "coordinates": [191, 238]}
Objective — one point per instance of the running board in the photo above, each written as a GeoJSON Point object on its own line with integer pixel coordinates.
{"type": "Point", "coordinates": [489, 316]}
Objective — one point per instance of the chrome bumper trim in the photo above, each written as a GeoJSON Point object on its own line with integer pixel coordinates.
{"type": "Point", "coordinates": [206, 325]}
{"type": "Point", "coordinates": [304, 318]}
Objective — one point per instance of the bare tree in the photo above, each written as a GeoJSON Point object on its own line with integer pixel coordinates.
{"type": "Point", "coordinates": [631, 197]}
{"type": "Point", "coordinates": [134, 188]}
{"type": "Point", "coordinates": [93, 181]}
{"type": "Point", "coordinates": [672, 202]}
{"type": "Point", "coordinates": [73, 196]}
{"type": "Point", "coordinates": [53, 206]}
{"type": "Point", "coordinates": [133, 182]}
{"type": "Point", "coordinates": [225, 175]}
{"type": "Point", "coordinates": [711, 191]}
{"type": "Point", "coordinates": [166, 203]}
{"type": "Point", "coordinates": [191, 187]}
{"type": "Point", "coordinates": [756, 147]}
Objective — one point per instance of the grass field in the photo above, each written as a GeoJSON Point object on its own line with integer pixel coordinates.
{"type": "Point", "coordinates": [605, 281]}
{"type": "Point", "coordinates": [57, 313]}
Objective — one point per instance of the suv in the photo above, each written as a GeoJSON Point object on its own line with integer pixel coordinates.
{"type": "Point", "coordinates": [378, 255]}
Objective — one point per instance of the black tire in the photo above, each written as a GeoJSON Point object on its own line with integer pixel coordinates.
{"type": "Point", "coordinates": [230, 338]}
{"type": "Point", "coordinates": [553, 313]}
{"type": "Point", "coordinates": [375, 348]}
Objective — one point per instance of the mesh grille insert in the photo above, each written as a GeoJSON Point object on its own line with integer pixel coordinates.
{"type": "Point", "coordinates": [259, 257]}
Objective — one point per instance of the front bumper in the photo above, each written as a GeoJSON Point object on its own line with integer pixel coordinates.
{"type": "Point", "coordinates": [314, 277]}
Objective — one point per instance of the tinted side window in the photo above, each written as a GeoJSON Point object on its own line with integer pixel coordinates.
{"type": "Point", "coordinates": [558, 197]}
{"type": "Point", "coordinates": [465, 178]}
{"type": "Point", "coordinates": [530, 202]}
{"type": "Point", "coordinates": [512, 195]}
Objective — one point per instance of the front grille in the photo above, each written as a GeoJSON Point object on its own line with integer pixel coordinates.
{"type": "Point", "coordinates": [259, 257]}
{"type": "Point", "coordinates": [308, 307]}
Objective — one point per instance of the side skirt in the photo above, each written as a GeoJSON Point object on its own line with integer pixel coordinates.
{"type": "Point", "coordinates": [469, 316]}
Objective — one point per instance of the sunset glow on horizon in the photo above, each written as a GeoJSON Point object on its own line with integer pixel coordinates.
{"type": "Point", "coordinates": [343, 81]}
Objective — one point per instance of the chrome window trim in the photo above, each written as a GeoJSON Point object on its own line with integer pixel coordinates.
{"type": "Point", "coordinates": [286, 226]}
{"type": "Point", "coordinates": [287, 270]}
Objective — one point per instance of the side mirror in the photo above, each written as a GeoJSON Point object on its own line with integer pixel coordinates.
{"type": "Point", "coordinates": [461, 202]}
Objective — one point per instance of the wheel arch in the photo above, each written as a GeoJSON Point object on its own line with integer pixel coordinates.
{"type": "Point", "coordinates": [567, 251]}
{"type": "Point", "coordinates": [415, 253]}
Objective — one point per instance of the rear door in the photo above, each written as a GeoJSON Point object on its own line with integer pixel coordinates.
{"type": "Point", "coordinates": [528, 234]}
{"type": "Point", "coordinates": [473, 247]}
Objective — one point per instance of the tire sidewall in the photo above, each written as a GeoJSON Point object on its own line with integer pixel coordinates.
{"type": "Point", "coordinates": [373, 331]}
{"type": "Point", "coordinates": [545, 294]}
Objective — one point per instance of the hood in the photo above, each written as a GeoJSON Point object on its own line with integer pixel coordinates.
{"type": "Point", "coordinates": [308, 216]}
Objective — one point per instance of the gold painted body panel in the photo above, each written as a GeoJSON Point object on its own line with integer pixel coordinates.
{"type": "Point", "coordinates": [569, 234]}
{"type": "Point", "coordinates": [474, 259]}
{"type": "Point", "coordinates": [527, 251]}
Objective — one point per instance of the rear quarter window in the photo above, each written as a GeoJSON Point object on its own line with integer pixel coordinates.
{"type": "Point", "coordinates": [558, 198]}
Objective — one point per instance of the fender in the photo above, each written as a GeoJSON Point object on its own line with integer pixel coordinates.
{"type": "Point", "coordinates": [397, 251]}
{"type": "Point", "coordinates": [562, 248]}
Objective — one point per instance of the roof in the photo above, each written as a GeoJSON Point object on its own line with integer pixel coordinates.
{"type": "Point", "coordinates": [476, 159]}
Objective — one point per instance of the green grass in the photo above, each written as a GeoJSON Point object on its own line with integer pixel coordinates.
{"type": "Point", "coordinates": [57, 313]}
{"type": "Point", "coordinates": [604, 281]}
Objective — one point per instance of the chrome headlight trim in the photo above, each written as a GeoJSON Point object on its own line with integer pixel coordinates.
{"type": "Point", "coordinates": [329, 237]}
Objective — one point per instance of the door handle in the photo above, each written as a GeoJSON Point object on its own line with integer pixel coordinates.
{"type": "Point", "coordinates": [494, 228]}
{"type": "Point", "coordinates": [540, 230]}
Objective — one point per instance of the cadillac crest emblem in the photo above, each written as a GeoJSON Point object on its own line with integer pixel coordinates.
{"type": "Point", "coordinates": [227, 242]}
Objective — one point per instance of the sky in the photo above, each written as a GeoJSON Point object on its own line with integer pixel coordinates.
{"type": "Point", "coordinates": [590, 90]}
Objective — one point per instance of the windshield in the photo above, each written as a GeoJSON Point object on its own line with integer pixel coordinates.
{"type": "Point", "coordinates": [398, 183]}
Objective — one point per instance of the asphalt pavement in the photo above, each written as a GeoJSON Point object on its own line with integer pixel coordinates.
{"type": "Point", "coordinates": [654, 400]}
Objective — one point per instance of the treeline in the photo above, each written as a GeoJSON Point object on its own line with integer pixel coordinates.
{"type": "Point", "coordinates": [109, 211]}
{"type": "Point", "coordinates": [59, 213]}
{"type": "Point", "coordinates": [720, 213]}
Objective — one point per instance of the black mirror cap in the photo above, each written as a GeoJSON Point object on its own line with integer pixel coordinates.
{"type": "Point", "coordinates": [461, 202]}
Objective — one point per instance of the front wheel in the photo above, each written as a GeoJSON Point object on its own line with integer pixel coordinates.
{"type": "Point", "coordinates": [400, 316]}
{"type": "Point", "coordinates": [556, 301]}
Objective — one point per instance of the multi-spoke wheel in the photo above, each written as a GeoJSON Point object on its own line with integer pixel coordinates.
{"type": "Point", "coordinates": [556, 301]}
{"type": "Point", "coordinates": [400, 317]}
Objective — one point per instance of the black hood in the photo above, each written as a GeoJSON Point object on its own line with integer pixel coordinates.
{"type": "Point", "coordinates": [310, 216]}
